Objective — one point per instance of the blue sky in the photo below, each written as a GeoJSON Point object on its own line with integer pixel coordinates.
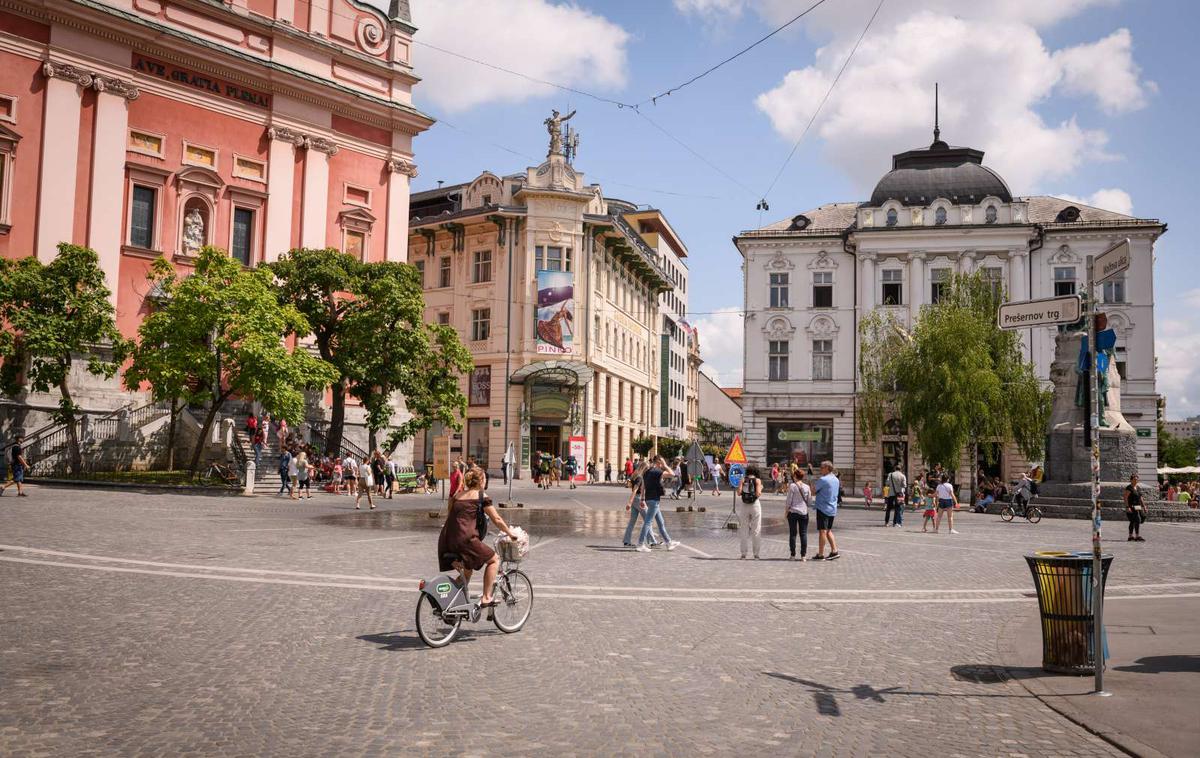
{"type": "Point", "coordinates": [1088, 98]}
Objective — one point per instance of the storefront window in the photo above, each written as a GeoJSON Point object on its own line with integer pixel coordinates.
{"type": "Point", "coordinates": [477, 440]}
{"type": "Point", "coordinates": [805, 442]}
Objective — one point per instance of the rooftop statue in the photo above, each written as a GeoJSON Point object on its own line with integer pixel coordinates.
{"type": "Point", "coordinates": [554, 126]}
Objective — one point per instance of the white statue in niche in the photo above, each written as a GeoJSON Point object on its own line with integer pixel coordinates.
{"type": "Point", "coordinates": [193, 231]}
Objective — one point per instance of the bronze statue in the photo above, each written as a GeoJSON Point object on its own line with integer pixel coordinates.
{"type": "Point", "coordinates": [554, 126]}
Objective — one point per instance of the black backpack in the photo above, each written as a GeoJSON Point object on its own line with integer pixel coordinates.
{"type": "Point", "coordinates": [750, 490]}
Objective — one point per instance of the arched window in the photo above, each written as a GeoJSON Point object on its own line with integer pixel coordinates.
{"type": "Point", "coordinates": [989, 215]}
{"type": "Point", "coordinates": [939, 217]}
{"type": "Point", "coordinates": [892, 217]}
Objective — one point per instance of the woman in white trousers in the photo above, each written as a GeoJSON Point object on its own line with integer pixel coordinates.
{"type": "Point", "coordinates": [750, 513]}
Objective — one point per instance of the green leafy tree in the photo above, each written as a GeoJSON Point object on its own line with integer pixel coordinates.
{"type": "Point", "coordinates": [221, 332]}
{"type": "Point", "coordinates": [956, 379]}
{"type": "Point", "coordinates": [642, 446]}
{"type": "Point", "coordinates": [1175, 452]}
{"type": "Point", "coordinates": [387, 348]}
{"type": "Point", "coordinates": [321, 285]}
{"type": "Point", "coordinates": [55, 314]}
{"type": "Point", "coordinates": [669, 447]}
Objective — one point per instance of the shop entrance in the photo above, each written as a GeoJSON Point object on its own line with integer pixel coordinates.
{"type": "Point", "coordinates": [547, 439]}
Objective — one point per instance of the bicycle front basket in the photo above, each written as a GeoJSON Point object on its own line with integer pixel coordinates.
{"type": "Point", "coordinates": [509, 551]}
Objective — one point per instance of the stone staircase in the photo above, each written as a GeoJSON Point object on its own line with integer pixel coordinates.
{"type": "Point", "coordinates": [266, 478]}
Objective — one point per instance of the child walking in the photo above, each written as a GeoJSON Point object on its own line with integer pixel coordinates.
{"type": "Point", "coordinates": [922, 498]}
{"type": "Point", "coordinates": [868, 494]}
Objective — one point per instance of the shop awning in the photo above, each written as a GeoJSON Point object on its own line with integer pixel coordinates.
{"type": "Point", "coordinates": [582, 372]}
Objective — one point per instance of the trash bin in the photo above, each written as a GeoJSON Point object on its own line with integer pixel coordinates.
{"type": "Point", "coordinates": [1064, 591]}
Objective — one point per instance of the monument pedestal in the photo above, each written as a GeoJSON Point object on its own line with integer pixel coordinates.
{"type": "Point", "coordinates": [1069, 457]}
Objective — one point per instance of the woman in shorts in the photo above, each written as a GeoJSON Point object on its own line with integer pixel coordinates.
{"type": "Point", "coordinates": [946, 503]}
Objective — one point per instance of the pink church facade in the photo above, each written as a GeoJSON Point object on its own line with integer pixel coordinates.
{"type": "Point", "coordinates": [146, 128]}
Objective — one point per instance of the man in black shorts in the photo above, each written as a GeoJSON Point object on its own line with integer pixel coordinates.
{"type": "Point", "coordinates": [17, 465]}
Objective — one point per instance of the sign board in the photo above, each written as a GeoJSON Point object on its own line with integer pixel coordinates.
{"type": "Point", "coordinates": [577, 447]}
{"type": "Point", "coordinates": [736, 453]}
{"type": "Point", "coordinates": [736, 472]}
{"type": "Point", "coordinates": [1143, 432]}
{"type": "Point", "coordinates": [1112, 261]}
{"type": "Point", "coordinates": [695, 459]}
{"type": "Point", "coordinates": [1046, 312]}
{"type": "Point", "coordinates": [496, 423]}
{"type": "Point", "coordinates": [806, 435]}
{"type": "Point", "coordinates": [441, 457]}
{"type": "Point", "coordinates": [555, 326]}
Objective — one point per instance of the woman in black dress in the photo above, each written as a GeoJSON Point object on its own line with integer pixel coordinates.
{"type": "Point", "coordinates": [1135, 509]}
{"type": "Point", "coordinates": [460, 534]}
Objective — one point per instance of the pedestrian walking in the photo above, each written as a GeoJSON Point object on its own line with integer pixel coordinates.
{"type": "Point", "coordinates": [869, 494]}
{"type": "Point", "coordinates": [258, 441]}
{"type": "Point", "coordinates": [378, 472]}
{"type": "Point", "coordinates": [716, 478]}
{"type": "Point", "coordinates": [925, 498]}
{"type": "Point", "coordinates": [628, 468]}
{"type": "Point", "coordinates": [894, 490]}
{"type": "Point", "coordinates": [608, 471]}
{"type": "Point", "coordinates": [947, 501]}
{"type": "Point", "coordinates": [304, 471]}
{"type": "Point", "coordinates": [571, 467]}
{"type": "Point", "coordinates": [285, 472]}
{"type": "Point", "coordinates": [652, 492]}
{"type": "Point", "coordinates": [283, 432]}
{"type": "Point", "coordinates": [251, 425]}
{"type": "Point", "coordinates": [365, 482]}
{"type": "Point", "coordinates": [825, 500]}
{"type": "Point", "coordinates": [749, 511]}
{"type": "Point", "coordinates": [635, 506]}
{"type": "Point", "coordinates": [455, 480]}
{"type": "Point", "coordinates": [799, 496]}
{"type": "Point", "coordinates": [1135, 509]}
{"type": "Point", "coordinates": [350, 474]}
{"type": "Point", "coordinates": [556, 469]}
{"type": "Point", "coordinates": [681, 477]}
{"type": "Point", "coordinates": [591, 472]}
{"type": "Point", "coordinates": [393, 470]}
{"type": "Point", "coordinates": [17, 466]}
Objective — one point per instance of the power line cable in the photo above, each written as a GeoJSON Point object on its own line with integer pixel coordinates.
{"type": "Point", "coordinates": [731, 58]}
{"type": "Point", "coordinates": [821, 105]}
{"type": "Point", "coordinates": [685, 146]}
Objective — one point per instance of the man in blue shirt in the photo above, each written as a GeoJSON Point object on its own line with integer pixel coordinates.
{"type": "Point", "coordinates": [825, 500]}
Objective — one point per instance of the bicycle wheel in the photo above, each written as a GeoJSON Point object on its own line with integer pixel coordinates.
{"type": "Point", "coordinates": [1006, 513]}
{"type": "Point", "coordinates": [1034, 514]}
{"type": "Point", "coordinates": [434, 630]}
{"type": "Point", "coordinates": [514, 601]}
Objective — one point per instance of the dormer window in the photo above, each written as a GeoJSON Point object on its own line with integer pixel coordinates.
{"type": "Point", "coordinates": [939, 217]}
{"type": "Point", "coordinates": [892, 217]}
{"type": "Point", "coordinates": [989, 216]}
{"type": "Point", "coordinates": [1068, 215]}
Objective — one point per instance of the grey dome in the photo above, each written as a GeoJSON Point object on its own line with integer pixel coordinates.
{"type": "Point", "coordinates": [918, 177]}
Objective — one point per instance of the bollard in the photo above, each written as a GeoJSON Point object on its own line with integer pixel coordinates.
{"type": "Point", "coordinates": [251, 470]}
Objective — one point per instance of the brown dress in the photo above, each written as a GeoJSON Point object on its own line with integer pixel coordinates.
{"type": "Point", "coordinates": [460, 536]}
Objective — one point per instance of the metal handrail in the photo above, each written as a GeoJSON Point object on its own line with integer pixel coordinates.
{"type": "Point", "coordinates": [46, 445]}
{"type": "Point", "coordinates": [347, 447]}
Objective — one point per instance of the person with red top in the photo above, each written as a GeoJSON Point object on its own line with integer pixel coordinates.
{"type": "Point", "coordinates": [455, 480]}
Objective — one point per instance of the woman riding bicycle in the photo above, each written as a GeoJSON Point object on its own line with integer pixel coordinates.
{"type": "Point", "coordinates": [460, 535]}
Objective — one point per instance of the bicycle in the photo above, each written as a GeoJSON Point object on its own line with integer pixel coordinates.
{"type": "Point", "coordinates": [444, 604]}
{"type": "Point", "coordinates": [1020, 506]}
{"type": "Point", "coordinates": [222, 473]}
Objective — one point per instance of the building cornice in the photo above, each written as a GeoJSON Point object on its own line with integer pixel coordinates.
{"type": "Point", "coordinates": [335, 97]}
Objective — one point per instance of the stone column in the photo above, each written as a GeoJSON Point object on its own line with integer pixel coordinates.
{"type": "Point", "coordinates": [315, 206]}
{"type": "Point", "coordinates": [867, 282]}
{"type": "Point", "coordinates": [60, 156]}
{"type": "Point", "coordinates": [966, 263]}
{"type": "Point", "coordinates": [107, 219]}
{"type": "Point", "coordinates": [400, 171]}
{"type": "Point", "coordinates": [916, 286]}
{"type": "Point", "coordinates": [1018, 275]}
{"type": "Point", "coordinates": [281, 180]}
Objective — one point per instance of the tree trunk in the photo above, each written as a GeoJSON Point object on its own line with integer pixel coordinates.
{"type": "Point", "coordinates": [74, 458]}
{"type": "Point", "coordinates": [974, 469]}
{"type": "Point", "coordinates": [204, 430]}
{"type": "Point", "coordinates": [337, 417]}
{"type": "Point", "coordinates": [171, 434]}
{"type": "Point", "coordinates": [370, 440]}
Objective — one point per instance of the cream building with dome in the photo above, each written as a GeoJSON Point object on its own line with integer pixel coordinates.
{"type": "Point", "coordinates": [810, 278]}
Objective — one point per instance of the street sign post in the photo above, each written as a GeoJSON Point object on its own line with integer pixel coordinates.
{"type": "Point", "coordinates": [1112, 261]}
{"type": "Point", "coordinates": [736, 454]}
{"type": "Point", "coordinates": [1046, 312]}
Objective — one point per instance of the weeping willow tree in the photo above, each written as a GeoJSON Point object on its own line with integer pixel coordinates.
{"type": "Point", "coordinates": [955, 378]}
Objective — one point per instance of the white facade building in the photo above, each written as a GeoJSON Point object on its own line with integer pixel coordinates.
{"type": "Point", "coordinates": [809, 279]}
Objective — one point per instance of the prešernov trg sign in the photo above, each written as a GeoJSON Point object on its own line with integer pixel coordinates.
{"type": "Point", "coordinates": [1045, 312]}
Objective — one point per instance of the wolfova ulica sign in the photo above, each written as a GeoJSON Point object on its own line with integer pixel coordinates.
{"type": "Point", "coordinates": [201, 81]}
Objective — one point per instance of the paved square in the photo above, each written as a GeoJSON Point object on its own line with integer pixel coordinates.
{"type": "Point", "coordinates": [165, 624]}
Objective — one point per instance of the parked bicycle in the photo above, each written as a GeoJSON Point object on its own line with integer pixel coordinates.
{"type": "Point", "coordinates": [444, 605]}
{"type": "Point", "coordinates": [218, 473]}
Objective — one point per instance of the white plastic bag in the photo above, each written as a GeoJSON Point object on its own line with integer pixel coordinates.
{"type": "Point", "coordinates": [513, 553]}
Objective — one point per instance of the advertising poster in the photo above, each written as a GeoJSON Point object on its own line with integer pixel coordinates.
{"type": "Point", "coordinates": [480, 391]}
{"type": "Point", "coordinates": [555, 312]}
{"type": "Point", "coordinates": [578, 449]}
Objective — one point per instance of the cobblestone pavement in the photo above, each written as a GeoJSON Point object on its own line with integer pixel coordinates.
{"type": "Point", "coordinates": [166, 624]}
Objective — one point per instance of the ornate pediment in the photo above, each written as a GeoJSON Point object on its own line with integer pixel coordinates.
{"type": "Point", "coordinates": [1064, 254]}
{"type": "Point", "coordinates": [822, 261]}
{"type": "Point", "coordinates": [353, 217]}
{"type": "Point", "coordinates": [778, 328]}
{"type": "Point", "coordinates": [822, 326]}
{"type": "Point", "coordinates": [779, 262]}
{"type": "Point", "coordinates": [198, 178]}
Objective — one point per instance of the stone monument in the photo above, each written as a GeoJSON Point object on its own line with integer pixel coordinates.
{"type": "Point", "coordinates": [1069, 453]}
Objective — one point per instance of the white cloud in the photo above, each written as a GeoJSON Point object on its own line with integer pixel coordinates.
{"type": "Point", "coordinates": [546, 40]}
{"type": "Point", "coordinates": [1105, 69]}
{"type": "Point", "coordinates": [1112, 199]}
{"type": "Point", "coordinates": [1177, 343]}
{"type": "Point", "coordinates": [995, 73]}
{"type": "Point", "coordinates": [721, 338]}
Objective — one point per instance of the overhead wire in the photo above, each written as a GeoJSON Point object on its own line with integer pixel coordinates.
{"type": "Point", "coordinates": [821, 105]}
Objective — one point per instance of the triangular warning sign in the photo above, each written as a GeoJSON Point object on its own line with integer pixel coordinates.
{"type": "Point", "coordinates": [736, 453]}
